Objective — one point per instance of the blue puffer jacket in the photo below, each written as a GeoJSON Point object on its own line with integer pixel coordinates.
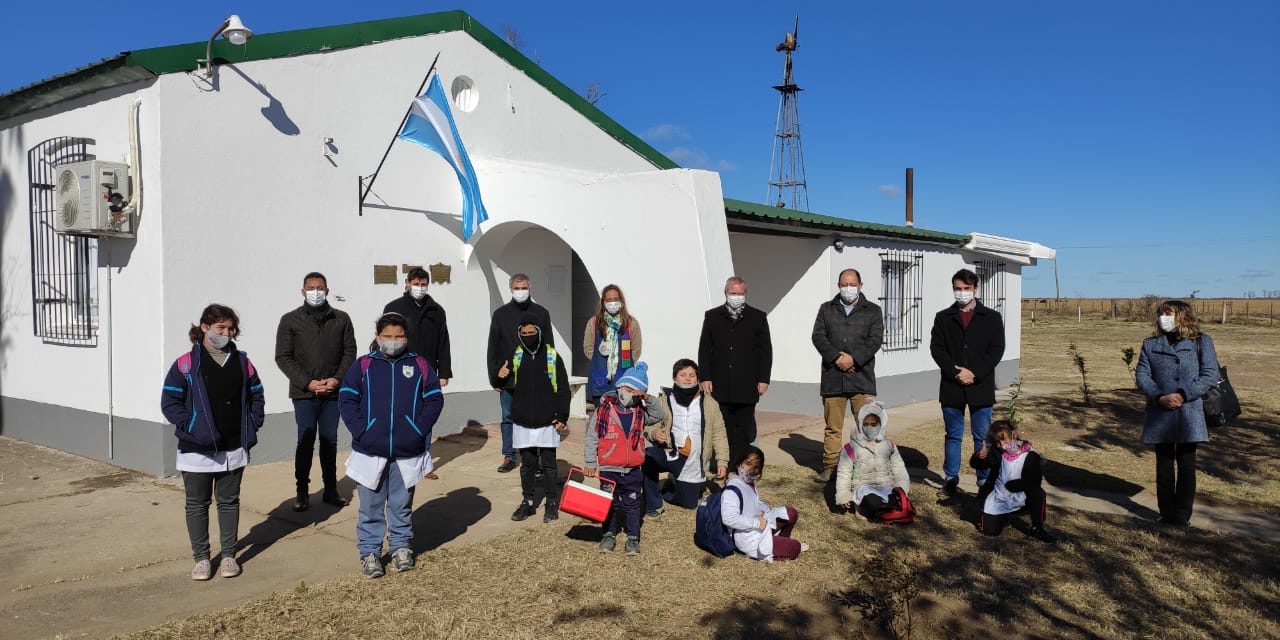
{"type": "Point", "coordinates": [185, 404]}
{"type": "Point", "coordinates": [390, 404]}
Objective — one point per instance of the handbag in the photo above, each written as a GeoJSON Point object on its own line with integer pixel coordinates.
{"type": "Point", "coordinates": [1221, 404]}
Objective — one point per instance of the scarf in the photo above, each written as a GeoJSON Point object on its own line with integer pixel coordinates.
{"type": "Point", "coordinates": [616, 345]}
{"type": "Point", "coordinates": [684, 397]}
{"type": "Point", "coordinates": [735, 314]}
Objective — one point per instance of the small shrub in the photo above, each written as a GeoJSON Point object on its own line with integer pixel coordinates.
{"type": "Point", "coordinates": [1078, 359]}
{"type": "Point", "coordinates": [1011, 411]}
{"type": "Point", "coordinates": [1127, 354]}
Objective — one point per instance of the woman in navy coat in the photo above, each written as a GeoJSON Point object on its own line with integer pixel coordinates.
{"type": "Point", "coordinates": [1177, 365]}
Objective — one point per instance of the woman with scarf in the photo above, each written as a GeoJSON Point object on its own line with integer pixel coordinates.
{"type": "Point", "coordinates": [611, 341]}
{"type": "Point", "coordinates": [689, 439]}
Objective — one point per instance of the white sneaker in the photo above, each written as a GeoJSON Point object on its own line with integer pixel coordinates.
{"type": "Point", "coordinates": [202, 571]}
{"type": "Point", "coordinates": [804, 546]}
{"type": "Point", "coordinates": [229, 568]}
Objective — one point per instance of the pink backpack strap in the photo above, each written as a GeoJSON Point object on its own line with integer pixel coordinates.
{"type": "Point", "coordinates": [848, 448]}
{"type": "Point", "coordinates": [365, 363]}
{"type": "Point", "coordinates": [249, 365]}
{"type": "Point", "coordinates": [422, 365]}
{"type": "Point", "coordinates": [184, 363]}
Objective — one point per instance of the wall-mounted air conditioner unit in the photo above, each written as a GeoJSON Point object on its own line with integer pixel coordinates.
{"type": "Point", "coordinates": [91, 198]}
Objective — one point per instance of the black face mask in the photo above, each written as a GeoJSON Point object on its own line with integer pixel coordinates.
{"type": "Point", "coordinates": [531, 343]}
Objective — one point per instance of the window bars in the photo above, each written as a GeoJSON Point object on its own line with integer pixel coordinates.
{"type": "Point", "coordinates": [902, 284]}
{"type": "Point", "coordinates": [991, 274]}
{"type": "Point", "coordinates": [64, 274]}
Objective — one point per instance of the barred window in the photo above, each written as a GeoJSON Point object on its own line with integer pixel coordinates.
{"type": "Point", "coordinates": [64, 268]}
{"type": "Point", "coordinates": [991, 274]}
{"type": "Point", "coordinates": [902, 282]}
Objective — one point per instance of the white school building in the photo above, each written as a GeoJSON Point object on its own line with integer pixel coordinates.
{"type": "Point", "coordinates": [246, 177]}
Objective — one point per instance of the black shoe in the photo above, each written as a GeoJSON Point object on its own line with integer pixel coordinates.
{"type": "Point", "coordinates": [508, 463]}
{"type": "Point", "coordinates": [550, 512]}
{"type": "Point", "coordinates": [525, 510]}
{"type": "Point", "coordinates": [332, 499]}
{"type": "Point", "coordinates": [952, 487]}
{"type": "Point", "coordinates": [302, 502]}
{"type": "Point", "coordinates": [1040, 534]}
{"type": "Point", "coordinates": [1174, 522]}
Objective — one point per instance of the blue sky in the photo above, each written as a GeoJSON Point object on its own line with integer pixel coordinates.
{"type": "Point", "coordinates": [1140, 139]}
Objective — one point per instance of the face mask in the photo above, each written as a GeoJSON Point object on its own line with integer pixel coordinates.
{"type": "Point", "coordinates": [964, 297]}
{"type": "Point", "coordinates": [748, 475]}
{"type": "Point", "coordinates": [1012, 446]}
{"type": "Point", "coordinates": [626, 397]}
{"type": "Point", "coordinates": [613, 307]}
{"type": "Point", "coordinates": [870, 433]}
{"type": "Point", "coordinates": [520, 295]}
{"type": "Point", "coordinates": [1168, 323]}
{"type": "Point", "coordinates": [315, 297]}
{"type": "Point", "coordinates": [418, 291]}
{"type": "Point", "coordinates": [692, 385]}
{"type": "Point", "coordinates": [218, 342]}
{"type": "Point", "coordinates": [391, 348]}
{"type": "Point", "coordinates": [735, 301]}
{"type": "Point", "coordinates": [848, 294]}
{"type": "Point", "coordinates": [531, 343]}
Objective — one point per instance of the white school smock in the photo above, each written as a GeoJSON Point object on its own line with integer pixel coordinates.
{"type": "Point", "coordinates": [744, 519]}
{"type": "Point", "coordinates": [687, 422]}
{"type": "Point", "coordinates": [543, 437]}
{"type": "Point", "coordinates": [366, 470]}
{"type": "Point", "coordinates": [1001, 500]}
{"type": "Point", "coordinates": [215, 462]}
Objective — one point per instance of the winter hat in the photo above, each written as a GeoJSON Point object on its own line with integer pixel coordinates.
{"type": "Point", "coordinates": [877, 409]}
{"type": "Point", "coordinates": [637, 377]}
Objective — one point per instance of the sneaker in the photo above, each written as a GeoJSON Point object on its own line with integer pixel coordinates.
{"type": "Point", "coordinates": [525, 510]}
{"type": "Point", "coordinates": [302, 502]}
{"type": "Point", "coordinates": [823, 476]}
{"type": "Point", "coordinates": [654, 514]}
{"type": "Point", "coordinates": [804, 546]}
{"type": "Point", "coordinates": [229, 568]}
{"type": "Point", "coordinates": [607, 542]}
{"type": "Point", "coordinates": [550, 513]}
{"type": "Point", "coordinates": [1040, 534]}
{"type": "Point", "coordinates": [371, 566]}
{"type": "Point", "coordinates": [334, 499]}
{"type": "Point", "coordinates": [952, 487]}
{"type": "Point", "coordinates": [402, 559]}
{"type": "Point", "coordinates": [508, 463]}
{"type": "Point", "coordinates": [202, 571]}
{"type": "Point", "coordinates": [633, 545]}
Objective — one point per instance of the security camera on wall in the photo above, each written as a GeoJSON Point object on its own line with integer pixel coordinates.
{"type": "Point", "coordinates": [92, 199]}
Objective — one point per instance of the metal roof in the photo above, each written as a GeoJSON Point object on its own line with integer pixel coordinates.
{"type": "Point", "coordinates": [782, 218]}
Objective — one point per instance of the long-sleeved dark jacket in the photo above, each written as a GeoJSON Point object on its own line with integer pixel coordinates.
{"type": "Point", "coordinates": [504, 332]}
{"type": "Point", "coordinates": [1032, 472]}
{"type": "Point", "coordinates": [390, 405]}
{"type": "Point", "coordinates": [535, 401]}
{"type": "Point", "coordinates": [428, 331]}
{"type": "Point", "coordinates": [184, 401]}
{"type": "Point", "coordinates": [978, 348]}
{"type": "Point", "coordinates": [858, 334]}
{"type": "Point", "coordinates": [314, 346]}
{"type": "Point", "coordinates": [735, 356]}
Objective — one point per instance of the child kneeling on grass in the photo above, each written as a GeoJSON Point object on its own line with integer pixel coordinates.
{"type": "Point", "coordinates": [1014, 487]}
{"type": "Point", "coordinates": [390, 399]}
{"type": "Point", "coordinates": [870, 467]}
{"type": "Point", "coordinates": [761, 532]}
{"type": "Point", "coordinates": [615, 445]}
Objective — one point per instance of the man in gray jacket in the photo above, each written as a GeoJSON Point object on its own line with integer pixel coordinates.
{"type": "Point", "coordinates": [847, 334]}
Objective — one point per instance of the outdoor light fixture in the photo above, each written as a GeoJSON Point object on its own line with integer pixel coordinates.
{"type": "Point", "coordinates": [234, 31]}
{"type": "Point", "coordinates": [838, 244]}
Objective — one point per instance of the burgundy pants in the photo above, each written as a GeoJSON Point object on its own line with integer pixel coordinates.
{"type": "Point", "coordinates": [784, 548]}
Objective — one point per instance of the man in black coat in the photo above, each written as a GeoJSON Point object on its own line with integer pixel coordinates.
{"type": "Point", "coordinates": [967, 342]}
{"type": "Point", "coordinates": [847, 333]}
{"type": "Point", "coordinates": [502, 346]}
{"type": "Point", "coordinates": [315, 345]}
{"type": "Point", "coordinates": [428, 326]}
{"type": "Point", "coordinates": [735, 356]}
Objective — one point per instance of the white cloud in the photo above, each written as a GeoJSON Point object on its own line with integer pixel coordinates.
{"type": "Point", "coordinates": [666, 131]}
{"type": "Point", "coordinates": [725, 165]}
{"type": "Point", "coordinates": [890, 190]}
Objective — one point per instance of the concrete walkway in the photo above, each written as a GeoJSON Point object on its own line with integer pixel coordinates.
{"type": "Point", "coordinates": [92, 550]}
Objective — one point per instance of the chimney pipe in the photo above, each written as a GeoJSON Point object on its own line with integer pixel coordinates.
{"type": "Point", "coordinates": [911, 195]}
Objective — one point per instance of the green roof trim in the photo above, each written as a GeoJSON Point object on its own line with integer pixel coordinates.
{"type": "Point", "coordinates": [753, 212]}
{"type": "Point", "coordinates": [143, 64]}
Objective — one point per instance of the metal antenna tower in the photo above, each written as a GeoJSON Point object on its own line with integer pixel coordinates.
{"type": "Point", "coordinates": [787, 186]}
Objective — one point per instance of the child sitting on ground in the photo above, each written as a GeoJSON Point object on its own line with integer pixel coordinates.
{"type": "Point", "coordinates": [761, 532]}
{"type": "Point", "coordinates": [615, 449]}
{"type": "Point", "coordinates": [870, 467]}
{"type": "Point", "coordinates": [1014, 486]}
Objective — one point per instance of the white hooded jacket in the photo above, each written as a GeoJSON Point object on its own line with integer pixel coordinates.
{"type": "Point", "coordinates": [870, 459]}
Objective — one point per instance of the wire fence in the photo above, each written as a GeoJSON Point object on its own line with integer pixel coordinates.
{"type": "Point", "coordinates": [1246, 311]}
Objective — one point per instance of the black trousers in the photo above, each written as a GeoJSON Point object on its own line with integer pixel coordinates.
{"type": "Point", "coordinates": [1176, 480]}
{"type": "Point", "coordinates": [992, 524]}
{"type": "Point", "coordinates": [532, 458]}
{"type": "Point", "coordinates": [740, 425]}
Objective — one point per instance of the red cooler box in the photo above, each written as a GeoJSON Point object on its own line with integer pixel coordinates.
{"type": "Point", "coordinates": [586, 502]}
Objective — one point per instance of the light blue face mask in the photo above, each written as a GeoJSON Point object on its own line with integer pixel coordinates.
{"type": "Point", "coordinates": [218, 342]}
{"type": "Point", "coordinates": [626, 397]}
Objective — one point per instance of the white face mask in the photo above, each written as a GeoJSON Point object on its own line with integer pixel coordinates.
{"type": "Point", "coordinates": [849, 293]}
{"type": "Point", "coordinates": [613, 307]}
{"type": "Point", "coordinates": [520, 295]}
{"type": "Point", "coordinates": [218, 342]}
{"type": "Point", "coordinates": [748, 475]}
{"type": "Point", "coordinates": [315, 297]}
{"type": "Point", "coordinates": [964, 297]}
{"type": "Point", "coordinates": [418, 291]}
{"type": "Point", "coordinates": [692, 385]}
{"type": "Point", "coordinates": [391, 348]}
{"type": "Point", "coordinates": [1168, 323]}
{"type": "Point", "coordinates": [735, 301]}
{"type": "Point", "coordinates": [626, 397]}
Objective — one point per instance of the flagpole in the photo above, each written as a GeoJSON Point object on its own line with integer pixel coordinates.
{"type": "Point", "coordinates": [365, 189]}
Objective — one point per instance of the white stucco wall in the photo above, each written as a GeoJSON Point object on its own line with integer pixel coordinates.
{"type": "Point", "coordinates": [71, 376]}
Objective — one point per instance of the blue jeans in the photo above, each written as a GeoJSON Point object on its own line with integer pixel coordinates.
{"type": "Point", "coordinates": [979, 421]}
{"type": "Point", "coordinates": [655, 462]}
{"type": "Point", "coordinates": [508, 450]}
{"type": "Point", "coordinates": [316, 416]}
{"type": "Point", "coordinates": [391, 504]}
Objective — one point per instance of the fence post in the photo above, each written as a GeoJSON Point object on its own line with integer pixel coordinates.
{"type": "Point", "coordinates": [1113, 308]}
{"type": "Point", "coordinates": [1079, 313]}
{"type": "Point", "coordinates": [1224, 312]}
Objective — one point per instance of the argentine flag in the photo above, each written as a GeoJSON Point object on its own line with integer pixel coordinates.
{"type": "Point", "coordinates": [430, 124]}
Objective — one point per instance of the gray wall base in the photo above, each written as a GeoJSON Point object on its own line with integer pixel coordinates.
{"type": "Point", "coordinates": [805, 399]}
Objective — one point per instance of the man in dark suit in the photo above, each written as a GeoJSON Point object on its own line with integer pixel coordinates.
{"type": "Point", "coordinates": [735, 356]}
{"type": "Point", "coordinates": [967, 342]}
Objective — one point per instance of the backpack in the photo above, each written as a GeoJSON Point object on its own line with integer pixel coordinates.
{"type": "Point", "coordinates": [900, 509]}
{"type": "Point", "coordinates": [366, 362]}
{"type": "Point", "coordinates": [709, 533]}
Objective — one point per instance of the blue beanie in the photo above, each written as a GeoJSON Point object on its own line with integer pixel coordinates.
{"type": "Point", "coordinates": [637, 377]}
